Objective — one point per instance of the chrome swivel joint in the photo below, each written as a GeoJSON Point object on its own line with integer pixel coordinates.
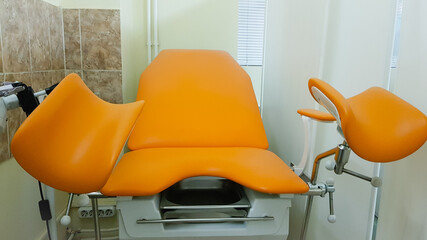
{"type": "Point", "coordinates": [341, 159]}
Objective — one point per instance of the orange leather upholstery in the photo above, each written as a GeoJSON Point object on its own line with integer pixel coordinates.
{"type": "Point", "coordinates": [150, 171]}
{"type": "Point", "coordinates": [197, 98]}
{"type": "Point", "coordinates": [200, 119]}
{"type": "Point", "coordinates": [317, 115]}
{"type": "Point", "coordinates": [73, 139]}
{"type": "Point", "coordinates": [378, 125]}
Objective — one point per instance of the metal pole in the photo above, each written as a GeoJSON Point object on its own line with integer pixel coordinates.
{"type": "Point", "coordinates": [313, 180]}
{"type": "Point", "coordinates": [358, 175]}
{"type": "Point", "coordinates": [307, 217]}
{"type": "Point", "coordinates": [96, 218]}
{"type": "Point", "coordinates": [70, 201]}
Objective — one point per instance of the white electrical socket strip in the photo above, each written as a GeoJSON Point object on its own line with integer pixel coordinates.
{"type": "Point", "coordinates": [103, 212]}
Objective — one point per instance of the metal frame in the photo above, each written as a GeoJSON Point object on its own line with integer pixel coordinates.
{"type": "Point", "coordinates": [94, 196]}
{"type": "Point", "coordinates": [317, 190]}
{"type": "Point", "coordinates": [206, 220]}
{"type": "Point", "coordinates": [341, 153]}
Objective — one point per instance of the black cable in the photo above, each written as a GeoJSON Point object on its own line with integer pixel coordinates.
{"type": "Point", "coordinates": [41, 190]}
{"type": "Point", "coordinates": [44, 208]}
{"type": "Point", "coordinates": [48, 230]}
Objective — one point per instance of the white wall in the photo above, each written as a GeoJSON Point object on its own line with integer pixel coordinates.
{"type": "Point", "coordinates": [357, 57]}
{"type": "Point", "coordinates": [403, 211]}
{"type": "Point", "coordinates": [184, 24]}
{"type": "Point", "coordinates": [295, 34]}
{"type": "Point", "coordinates": [19, 203]}
{"type": "Point", "coordinates": [255, 72]}
{"type": "Point", "coordinates": [54, 2]}
{"type": "Point", "coordinates": [133, 27]}
{"type": "Point", "coordinates": [198, 24]}
{"type": "Point", "coordinates": [189, 24]}
{"type": "Point", "coordinates": [96, 4]}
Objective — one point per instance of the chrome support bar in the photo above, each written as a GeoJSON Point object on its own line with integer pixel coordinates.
{"type": "Point", "coordinates": [96, 218]}
{"type": "Point", "coordinates": [307, 217]}
{"type": "Point", "coordinates": [70, 201]}
{"type": "Point", "coordinates": [341, 154]}
{"type": "Point", "coordinates": [331, 189]}
{"type": "Point", "coordinates": [358, 175]}
{"type": "Point", "coordinates": [375, 181]}
{"type": "Point", "coordinates": [331, 204]}
{"type": "Point", "coordinates": [318, 190]}
{"type": "Point", "coordinates": [94, 199]}
{"type": "Point", "coordinates": [66, 219]}
{"type": "Point", "coordinates": [205, 220]}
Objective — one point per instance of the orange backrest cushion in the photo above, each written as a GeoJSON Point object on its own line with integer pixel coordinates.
{"type": "Point", "coordinates": [71, 142]}
{"type": "Point", "coordinates": [197, 98]}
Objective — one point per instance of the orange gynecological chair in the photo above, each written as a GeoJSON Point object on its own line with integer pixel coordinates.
{"type": "Point", "coordinates": [198, 164]}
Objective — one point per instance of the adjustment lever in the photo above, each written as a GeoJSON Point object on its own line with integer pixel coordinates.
{"type": "Point", "coordinates": [83, 200]}
{"type": "Point", "coordinates": [375, 181]}
{"type": "Point", "coordinates": [66, 220]}
{"type": "Point", "coordinates": [331, 189]}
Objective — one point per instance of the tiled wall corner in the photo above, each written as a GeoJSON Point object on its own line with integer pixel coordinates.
{"type": "Point", "coordinates": [32, 52]}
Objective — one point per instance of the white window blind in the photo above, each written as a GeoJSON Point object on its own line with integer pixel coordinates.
{"type": "Point", "coordinates": [251, 32]}
{"type": "Point", "coordinates": [397, 27]}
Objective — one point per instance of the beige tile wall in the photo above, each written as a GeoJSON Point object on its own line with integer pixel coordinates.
{"type": "Point", "coordinates": [41, 43]}
{"type": "Point", "coordinates": [93, 50]}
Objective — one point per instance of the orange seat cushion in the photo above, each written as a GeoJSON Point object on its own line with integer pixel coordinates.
{"type": "Point", "coordinates": [152, 170]}
{"type": "Point", "coordinates": [197, 98]}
